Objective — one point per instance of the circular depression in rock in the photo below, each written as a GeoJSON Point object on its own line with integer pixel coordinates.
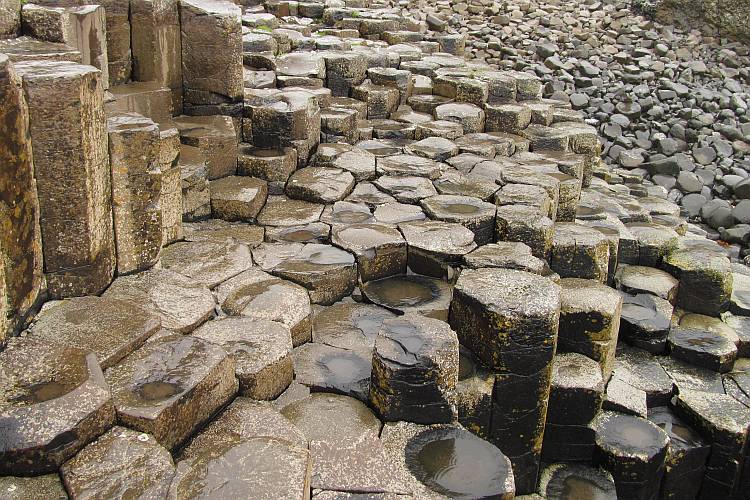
{"type": "Point", "coordinates": [397, 292]}
{"type": "Point", "coordinates": [456, 463]}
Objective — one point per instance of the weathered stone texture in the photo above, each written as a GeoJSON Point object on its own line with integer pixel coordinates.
{"type": "Point", "coordinates": [20, 237]}
{"type": "Point", "coordinates": [211, 51]}
{"type": "Point", "coordinates": [136, 190]}
{"type": "Point", "coordinates": [156, 45]}
{"type": "Point", "coordinates": [71, 166]}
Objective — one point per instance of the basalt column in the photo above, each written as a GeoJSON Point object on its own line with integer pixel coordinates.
{"type": "Point", "coordinates": [509, 319]}
{"type": "Point", "coordinates": [156, 45]}
{"type": "Point", "coordinates": [10, 18]}
{"type": "Point", "coordinates": [136, 190]}
{"type": "Point", "coordinates": [119, 57]}
{"type": "Point", "coordinates": [68, 134]}
{"type": "Point", "coordinates": [20, 237]}
{"type": "Point", "coordinates": [211, 52]}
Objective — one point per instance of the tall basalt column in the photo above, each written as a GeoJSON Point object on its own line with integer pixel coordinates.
{"type": "Point", "coordinates": [136, 190]}
{"type": "Point", "coordinates": [119, 56]}
{"type": "Point", "coordinates": [212, 70]}
{"type": "Point", "coordinates": [20, 236]}
{"type": "Point", "coordinates": [156, 45]}
{"type": "Point", "coordinates": [509, 319]}
{"type": "Point", "coordinates": [71, 165]}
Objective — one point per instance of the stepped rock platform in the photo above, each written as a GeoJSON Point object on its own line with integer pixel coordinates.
{"type": "Point", "coordinates": [348, 249]}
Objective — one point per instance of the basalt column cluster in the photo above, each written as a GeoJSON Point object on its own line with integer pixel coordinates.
{"type": "Point", "coordinates": [308, 250]}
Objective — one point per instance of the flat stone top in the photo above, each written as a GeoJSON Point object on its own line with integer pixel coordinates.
{"type": "Point", "coordinates": [332, 417]}
{"type": "Point", "coordinates": [362, 237]}
{"type": "Point", "coordinates": [456, 207]}
{"type": "Point", "coordinates": [628, 436]}
{"type": "Point", "coordinates": [582, 295]}
{"type": "Point", "coordinates": [510, 292]}
{"type": "Point", "coordinates": [129, 122]}
{"type": "Point", "coordinates": [152, 378]}
{"type": "Point", "coordinates": [214, 7]}
{"type": "Point", "coordinates": [45, 69]}
{"type": "Point", "coordinates": [25, 48]}
{"type": "Point", "coordinates": [437, 236]}
{"type": "Point", "coordinates": [507, 254]}
{"type": "Point", "coordinates": [339, 324]}
{"type": "Point", "coordinates": [692, 255]}
{"type": "Point", "coordinates": [408, 339]}
{"type": "Point", "coordinates": [574, 370]}
{"type": "Point", "coordinates": [255, 343]}
{"type": "Point", "coordinates": [714, 411]}
{"type": "Point", "coordinates": [32, 372]}
{"type": "Point", "coordinates": [315, 257]}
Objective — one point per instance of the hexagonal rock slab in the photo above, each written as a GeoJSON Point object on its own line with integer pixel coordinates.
{"type": "Point", "coordinates": [507, 255]}
{"type": "Point", "coordinates": [343, 369]}
{"type": "Point", "coordinates": [589, 321]}
{"type": "Point", "coordinates": [231, 467]}
{"type": "Point", "coordinates": [283, 211]}
{"type": "Point", "coordinates": [436, 248]}
{"type": "Point", "coordinates": [579, 252]}
{"type": "Point", "coordinates": [349, 324]}
{"type": "Point", "coordinates": [207, 262]}
{"type": "Point", "coordinates": [415, 370]}
{"type": "Point", "coordinates": [403, 294]}
{"type": "Point", "coordinates": [328, 273]}
{"type": "Point", "coordinates": [332, 417]}
{"type": "Point", "coordinates": [447, 461]}
{"type": "Point", "coordinates": [705, 276]}
{"type": "Point", "coordinates": [261, 350]}
{"type": "Point", "coordinates": [255, 427]}
{"type": "Point", "coordinates": [220, 231]}
{"type": "Point", "coordinates": [410, 165]}
{"type": "Point", "coordinates": [182, 303]}
{"type": "Point", "coordinates": [171, 386]}
{"type": "Point", "coordinates": [380, 250]}
{"type": "Point", "coordinates": [472, 213]}
{"type": "Point", "coordinates": [53, 401]}
{"type": "Point", "coordinates": [320, 184]}
{"type": "Point", "coordinates": [633, 450]}
{"type": "Point", "coordinates": [109, 328]}
{"type": "Point", "coordinates": [236, 198]}
{"type": "Point", "coordinates": [122, 462]}
{"type": "Point", "coordinates": [260, 295]}
{"type": "Point", "coordinates": [245, 418]}
{"type": "Point", "coordinates": [509, 319]}
{"type": "Point", "coordinates": [406, 189]}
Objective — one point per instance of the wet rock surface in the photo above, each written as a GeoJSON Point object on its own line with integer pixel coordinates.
{"type": "Point", "coordinates": [512, 231]}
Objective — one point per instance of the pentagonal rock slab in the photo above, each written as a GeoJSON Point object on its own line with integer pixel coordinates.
{"type": "Point", "coordinates": [109, 328]}
{"type": "Point", "coordinates": [182, 303]}
{"type": "Point", "coordinates": [406, 189]}
{"type": "Point", "coordinates": [171, 386]}
{"type": "Point", "coordinates": [436, 248]}
{"type": "Point", "coordinates": [237, 198]}
{"type": "Point", "coordinates": [327, 272]}
{"type": "Point", "coordinates": [262, 353]}
{"type": "Point", "coordinates": [343, 369]}
{"type": "Point", "coordinates": [320, 184]}
{"type": "Point", "coordinates": [283, 211]}
{"type": "Point", "coordinates": [206, 262]}
{"type": "Point", "coordinates": [472, 213]}
{"type": "Point", "coordinates": [259, 295]}
{"type": "Point", "coordinates": [380, 250]}
{"type": "Point", "coordinates": [415, 370]}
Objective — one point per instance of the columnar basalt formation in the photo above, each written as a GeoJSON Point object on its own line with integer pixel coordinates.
{"type": "Point", "coordinates": [20, 245]}
{"type": "Point", "coordinates": [339, 249]}
{"type": "Point", "coordinates": [71, 165]}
